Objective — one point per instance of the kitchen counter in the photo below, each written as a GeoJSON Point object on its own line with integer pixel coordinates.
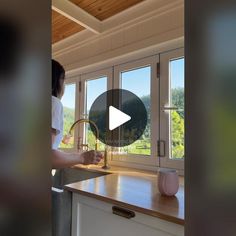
{"type": "Point", "coordinates": [134, 189]}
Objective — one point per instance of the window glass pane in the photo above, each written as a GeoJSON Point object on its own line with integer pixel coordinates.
{"type": "Point", "coordinates": [94, 88]}
{"type": "Point", "coordinates": [138, 82]}
{"type": "Point", "coordinates": [177, 100]}
{"type": "Point", "coordinates": [68, 102]}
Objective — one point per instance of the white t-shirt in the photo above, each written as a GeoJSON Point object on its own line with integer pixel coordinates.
{"type": "Point", "coordinates": [57, 121]}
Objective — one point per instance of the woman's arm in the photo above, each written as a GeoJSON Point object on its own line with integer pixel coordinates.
{"type": "Point", "coordinates": [62, 159]}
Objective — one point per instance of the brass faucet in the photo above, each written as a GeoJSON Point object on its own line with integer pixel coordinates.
{"type": "Point", "coordinates": [65, 140]}
{"type": "Point", "coordinates": [82, 145]}
{"type": "Point", "coordinates": [105, 166]}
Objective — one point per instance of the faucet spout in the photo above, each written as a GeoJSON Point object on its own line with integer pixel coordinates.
{"type": "Point", "coordinates": [65, 140]}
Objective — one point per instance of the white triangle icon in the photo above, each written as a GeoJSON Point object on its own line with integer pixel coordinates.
{"type": "Point", "coordinates": [117, 118]}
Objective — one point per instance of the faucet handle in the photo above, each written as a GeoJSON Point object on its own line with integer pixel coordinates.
{"type": "Point", "coordinates": [84, 116]}
{"type": "Point", "coordinates": [84, 147]}
{"type": "Point", "coordinates": [81, 145]}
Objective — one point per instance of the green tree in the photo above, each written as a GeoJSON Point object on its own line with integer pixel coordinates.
{"type": "Point", "coordinates": [178, 100]}
{"type": "Point", "coordinates": [177, 130]}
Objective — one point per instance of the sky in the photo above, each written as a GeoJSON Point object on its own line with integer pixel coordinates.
{"type": "Point", "coordinates": [68, 99]}
{"type": "Point", "coordinates": [136, 81]}
{"type": "Point", "coordinates": [94, 89]}
{"type": "Point", "coordinates": [177, 73]}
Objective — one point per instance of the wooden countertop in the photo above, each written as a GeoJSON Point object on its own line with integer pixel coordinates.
{"type": "Point", "coordinates": [133, 189]}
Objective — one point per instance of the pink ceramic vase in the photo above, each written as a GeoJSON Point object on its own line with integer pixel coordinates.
{"type": "Point", "coordinates": [168, 182]}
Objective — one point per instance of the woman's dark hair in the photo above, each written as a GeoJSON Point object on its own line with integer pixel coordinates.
{"type": "Point", "coordinates": [58, 76]}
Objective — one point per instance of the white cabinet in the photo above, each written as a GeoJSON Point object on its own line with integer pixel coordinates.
{"type": "Point", "coordinates": [92, 217]}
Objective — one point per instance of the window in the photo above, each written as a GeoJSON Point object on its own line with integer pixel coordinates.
{"type": "Point", "coordinates": [94, 88]}
{"type": "Point", "coordinates": [140, 78]}
{"type": "Point", "coordinates": [138, 82]}
{"type": "Point", "coordinates": [176, 77]}
{"type": "Point", "coordinates": [163, 97]}
{"type": "Point", "coordinates": [68, 102]}
{"type": "Point", "coordinates": [172, 109]}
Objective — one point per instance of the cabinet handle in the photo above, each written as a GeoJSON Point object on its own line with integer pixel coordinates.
{"type": "Point", "coordinates": [123, 212]}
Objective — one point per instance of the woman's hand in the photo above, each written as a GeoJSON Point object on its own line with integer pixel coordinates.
{"type": "Point", "coordinates": [91, 157]}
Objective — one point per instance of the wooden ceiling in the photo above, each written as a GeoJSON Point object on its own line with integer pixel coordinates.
{"type": "Point", "coordinates": [62, 27]}
{"type": "Point", "coordinates": [103, 9]}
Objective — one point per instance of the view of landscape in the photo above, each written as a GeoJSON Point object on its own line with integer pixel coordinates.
{"type": "Point", "coordinates": [142, 89]}
{"type": "Point", "coordinates": [142, 146]}
{"type": "Point", "coordinates": [176, 99]}
{"type": "Point", "coordinates": [69, 119]}
{"type": "Point", "coordinates": [177, 124]}
{"type": "Point", "coordinates": [68, 101]}
{"type": "Point", "coordinates": [138, 81]}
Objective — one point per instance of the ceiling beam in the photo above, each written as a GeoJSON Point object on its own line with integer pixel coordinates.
{"type": "Point", "coordinates": [78, 15]}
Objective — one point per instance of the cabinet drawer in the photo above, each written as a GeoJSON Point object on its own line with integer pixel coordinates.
{"type": "Point", "coordinates": [93, 217]}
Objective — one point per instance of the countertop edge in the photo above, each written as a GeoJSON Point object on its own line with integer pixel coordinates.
{"type": "Point", "coordinates": [130, 206]}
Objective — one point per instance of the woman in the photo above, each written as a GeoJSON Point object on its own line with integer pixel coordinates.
{"type": "Point", "coordinates": [62, 159]}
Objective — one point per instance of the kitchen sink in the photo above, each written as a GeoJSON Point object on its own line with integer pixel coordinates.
{"type": "Point", "coordinates": [62, 199]}
{"type": "Point", "coordinates": [71, 175]}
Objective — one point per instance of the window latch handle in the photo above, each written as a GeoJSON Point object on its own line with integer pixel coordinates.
{"type": "Point", "coordinates": [170, 108]}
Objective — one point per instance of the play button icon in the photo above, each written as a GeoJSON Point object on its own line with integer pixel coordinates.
{"type": "Point", "coordinates": [117, 118]}
{"type": "Point", "coordinates": [120, 117]}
